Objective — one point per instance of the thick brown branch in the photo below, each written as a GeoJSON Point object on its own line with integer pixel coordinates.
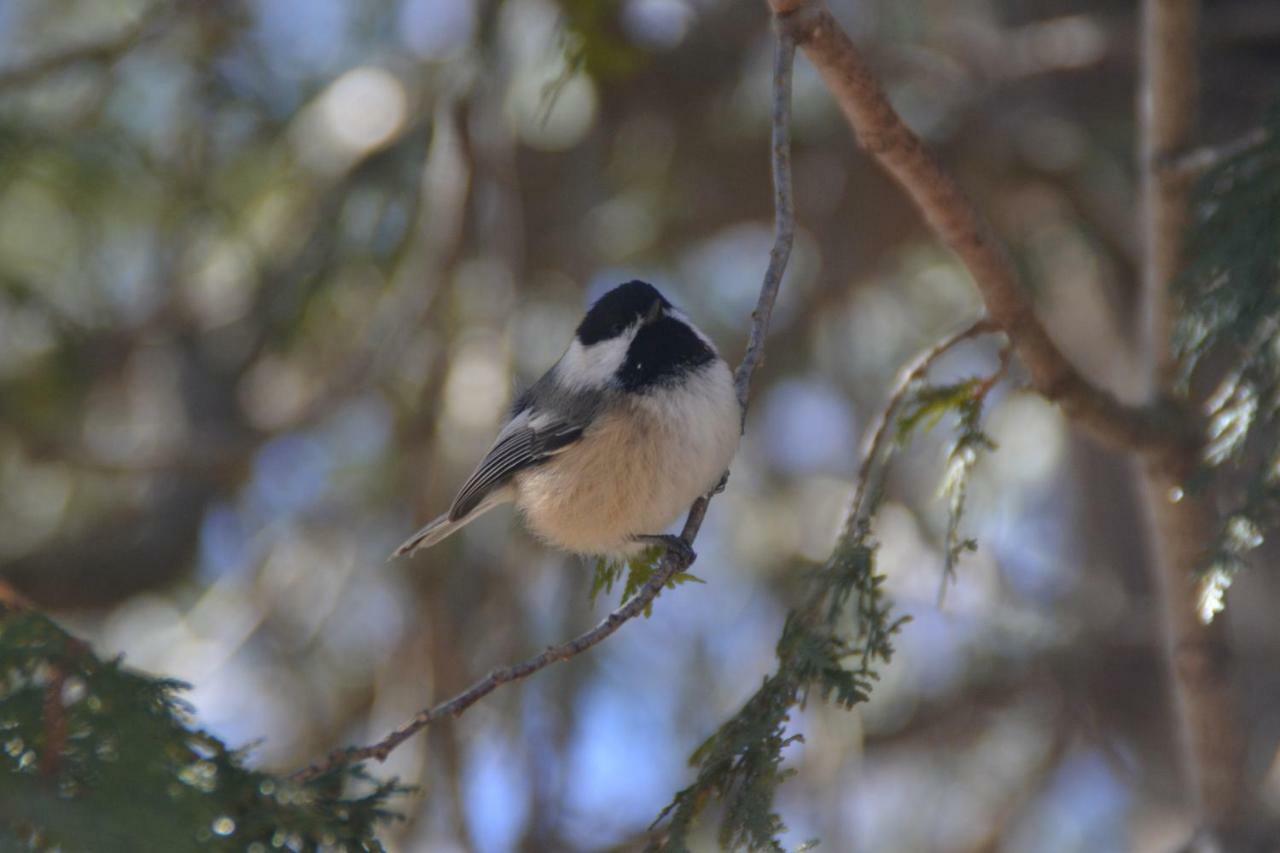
{"type": "Point", "coordinates": [673, 562]}
{"type": "Point", "coordinates": [953, 218]}
{"type": "Point", "coordinates": [1181, 525]}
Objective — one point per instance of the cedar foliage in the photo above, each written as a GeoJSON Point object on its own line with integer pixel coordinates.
{"type": "Point", "coordinates": [97, 757]}
{"type": "Point", "coordinates": [1228, 338]}
{"type": "Point", "coordinates": [832, 646]}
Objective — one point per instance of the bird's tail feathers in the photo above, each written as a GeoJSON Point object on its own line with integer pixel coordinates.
{"type": "Point", "coordinates": [441, 527]}
{"type": "Point", "coordinates": [429, 535]}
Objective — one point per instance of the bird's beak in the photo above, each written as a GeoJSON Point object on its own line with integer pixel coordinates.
{"type": "Point", "coordinates": [655, 311]}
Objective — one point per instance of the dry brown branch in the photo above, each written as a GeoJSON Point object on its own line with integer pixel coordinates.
{"type": "Point", "coordinates": [673, 562]}
{"type": "Point", "coordinates": [1181, 525]}
{"type": "Point", "coordinates": [1156, 428]}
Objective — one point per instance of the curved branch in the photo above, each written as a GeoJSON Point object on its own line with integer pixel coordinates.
{"type": "Point", "coordinates": [1153, 428]}
{"type": "Point", "coordinates": [783, 217]}
{"type": "Point", "coordinates": [673, 562]}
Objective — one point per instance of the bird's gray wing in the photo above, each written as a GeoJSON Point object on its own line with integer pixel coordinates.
{"type": "Point", "coordinates": [529, 439]}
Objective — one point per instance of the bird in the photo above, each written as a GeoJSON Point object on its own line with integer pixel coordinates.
{"type": "Point", "coordinates": [636, 420]}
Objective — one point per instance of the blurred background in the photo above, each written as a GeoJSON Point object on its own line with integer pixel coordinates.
{"type": "Point", "coordinates": [271, 271]}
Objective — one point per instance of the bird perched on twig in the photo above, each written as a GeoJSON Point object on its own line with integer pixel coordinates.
{"type": "Point", "coordinates": [634, 422]}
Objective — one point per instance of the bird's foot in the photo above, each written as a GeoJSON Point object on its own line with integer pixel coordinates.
{"type": "Point", "coordinates": [680, 549]}
{"type": "Point", "coordinates": [720, 486]}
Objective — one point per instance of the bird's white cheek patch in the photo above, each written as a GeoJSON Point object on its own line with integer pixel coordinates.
{"type": "Point", "coordinates": [593, 366]}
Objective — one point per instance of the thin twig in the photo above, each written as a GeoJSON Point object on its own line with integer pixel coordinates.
{"type": "Point", "coordinates": [1196, 162]}
{"type": "Point", "coordinates": [783, 213]}
{"type": "Point", "coordinates": [672, 562]}
{"type": "Point", "coordinates": [149, 24]}
{"type": "Point", "coordinates": [878, 438]}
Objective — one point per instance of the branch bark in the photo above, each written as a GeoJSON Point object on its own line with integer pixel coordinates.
{"type": "Point", "coordinates": [1156, 428]}
{"type": "Point", "coordinates": [1181, 525]}
{"type": "Point", "coordinates": [673, 562]}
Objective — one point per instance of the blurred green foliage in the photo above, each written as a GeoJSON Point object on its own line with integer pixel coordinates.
{"type": "Point", "coordinates": [95, 757]}
{"type": "Point", "coordinates": [593, 41]}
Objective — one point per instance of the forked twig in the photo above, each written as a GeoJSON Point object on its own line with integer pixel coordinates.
{"type": "Point", "coordinates": [878, 438]}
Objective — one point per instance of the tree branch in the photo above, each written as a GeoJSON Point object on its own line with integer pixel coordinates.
{"type": "Point", "coordinates": [1181, 526]}
{"type": "Point", "coordinates": [949, 213]}
{"type": "Point", "coordinates": [783, 217]}
{"type": "Point", "coordinates": [672, 562]}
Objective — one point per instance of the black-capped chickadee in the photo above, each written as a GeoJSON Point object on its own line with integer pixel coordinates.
{"type": "Point", "coordinates": [635, 421]}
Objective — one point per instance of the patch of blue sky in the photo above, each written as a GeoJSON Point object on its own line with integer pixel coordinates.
{"type": "Point", "coordinates": [494, 793]}
{"type": "Point", "coordinates": [809, 428]}
{"type": "Point", "coordinates": [1032, 545]}
{"type": "Point", "coordinates": [224, 543]}
{"type": "Point", "coordinates": [291, 475]}
{"type": "Point", "coordinates": [1085, 806]}
{"type": "Point", "coordinates": [932, 651]}
{"type": "Point", "coordinates": [301, 38]}
{"type": "Point", "coordinates": [357, 433]}
{"type": "Point", "coordinates": [436, 29]}
{"type": "Point", "coordinates": [625, 760]}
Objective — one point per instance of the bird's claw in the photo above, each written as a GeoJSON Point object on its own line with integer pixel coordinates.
{"type": "Point", "coordinates": [680, 549]}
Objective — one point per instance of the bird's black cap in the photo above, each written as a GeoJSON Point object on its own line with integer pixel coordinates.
{"type": "Point", "coordinates": [618, 309]}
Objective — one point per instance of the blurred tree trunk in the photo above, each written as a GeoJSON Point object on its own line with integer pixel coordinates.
{"type": "Point", "coordinates": [1182, 526]}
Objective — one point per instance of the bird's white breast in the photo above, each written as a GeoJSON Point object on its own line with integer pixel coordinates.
{"type": "Point", "coordinates": [638, 467]}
